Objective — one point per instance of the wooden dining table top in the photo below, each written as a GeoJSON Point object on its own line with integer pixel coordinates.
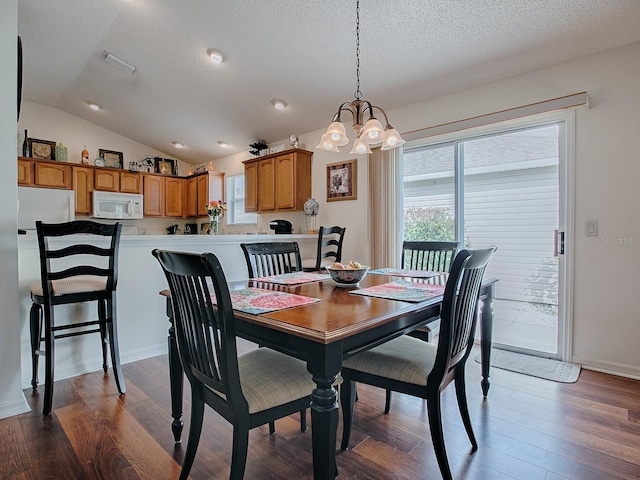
{"type": "Point", "coordinates": [338, 315]}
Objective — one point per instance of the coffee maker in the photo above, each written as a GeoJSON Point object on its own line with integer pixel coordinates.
{"type": "Point", "coordinates": [281, 227]}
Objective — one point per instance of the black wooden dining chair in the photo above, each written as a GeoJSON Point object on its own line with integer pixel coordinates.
{"type": "Point", "coordinates": [74, 273]}
{"type": "Point", "coordinates": [274, 258]}
{"type": "Point", "coordinates": [329, 249]}
{"type": "Point", "coordinates": [421, 369]}
{"type": "Point", "coordinates": [248, 391]}
{"type": "Point", "coordinates": [271, 258]}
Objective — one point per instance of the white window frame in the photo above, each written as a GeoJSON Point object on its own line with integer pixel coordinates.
{"type": "Point", "coordinates": [235, 204]}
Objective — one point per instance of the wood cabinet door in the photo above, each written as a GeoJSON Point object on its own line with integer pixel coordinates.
{"type": "Point", "coordinates": [52, 175]}
{"type": "Point", "coordinates": [107, 180]}
{"type": "Point", "coordinates": [192, 197]}
{"type": "Point", "coordinates": [153, 191]}
{"type": "Point", "coordinates": [130, 182]}
{"type": "Point", "coordinates": [203, 194]}
{"type": "Point", "coordinates": [266, 185]}
{"type": "Point", "coordinates": [25, 172]}
{"type": "Point", "coordinates": [251, 187]}
{"type": "Point", "coordinates": [82, 188]}
{"type": "Point", "coordinates": [174, 195]}
{"type": "Point", "coordinates": [285, 182]}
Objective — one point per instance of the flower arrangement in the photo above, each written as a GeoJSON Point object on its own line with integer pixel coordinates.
{"type": "Point", "coordinates": [215, 208]}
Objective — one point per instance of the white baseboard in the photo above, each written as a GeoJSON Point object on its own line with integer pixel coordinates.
{"type": "Point", "coordinates": [73, 370]}
{"type": "Point", "coordinates": [621, 370]}
{"type": "Point", "coordinates": [9, 409]}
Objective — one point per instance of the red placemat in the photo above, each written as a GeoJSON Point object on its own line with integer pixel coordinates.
{"type": "Point", "coordinates": [293, 278]}
{"type": "Point", "coordinates": [398, 272]}
{"type": "Point", "coordinates": [257, 300]}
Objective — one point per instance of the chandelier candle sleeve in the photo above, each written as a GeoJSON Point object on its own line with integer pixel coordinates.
{"type": "Point", "coordinates": [369, 133]}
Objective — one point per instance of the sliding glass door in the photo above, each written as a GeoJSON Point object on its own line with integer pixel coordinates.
{"type": "Point", "coordinates": [503, 189]}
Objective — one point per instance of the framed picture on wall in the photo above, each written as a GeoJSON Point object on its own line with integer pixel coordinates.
{"type": "Point", "coordinates": [342, 180]}
{"type": "Point", "coordinates": [166, 166]}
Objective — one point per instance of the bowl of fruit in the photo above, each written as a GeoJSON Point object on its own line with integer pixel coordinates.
{"type": "Point", "coordinates": [347, 275]}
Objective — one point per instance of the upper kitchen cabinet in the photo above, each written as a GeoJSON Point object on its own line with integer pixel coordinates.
{"type": "Point", "coordinates": [82, 188]}
{"type": "Point", "coordinates": [209, 186]}
{"type": "Point", "coordinates": [130, 182]}
{"type": "Point", "coordinates": [107, 180]}
{"type": "Point", "coordinates": [153, 195]}
{"type": "Point", "coordinates": [174, 202]}
{"type": "Point", "coordinates": [43, 173]}
{"type": "Point", "coordinates": [279, 182]}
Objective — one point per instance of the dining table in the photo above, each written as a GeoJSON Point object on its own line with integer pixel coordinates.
{"type": "Point", "coordinates": [340, 323]}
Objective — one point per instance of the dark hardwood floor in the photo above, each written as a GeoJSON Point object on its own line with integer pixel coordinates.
{"type": "Point", "coordinates": [528, 429]}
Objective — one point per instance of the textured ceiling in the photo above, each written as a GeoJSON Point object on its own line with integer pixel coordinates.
{"type": "Point", "coordinates": [302, 51]}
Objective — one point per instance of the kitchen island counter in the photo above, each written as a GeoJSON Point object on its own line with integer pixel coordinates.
{"type": "Point", "coordinates": [142, 327]}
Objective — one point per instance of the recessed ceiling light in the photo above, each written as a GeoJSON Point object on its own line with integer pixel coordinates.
{"type": "Point", "coordinates": [94, 106]}
{"type": "Point", "coordinates": [216, 56]}
{"type": "Point", "coordinates": [279, 104]}
{"type": "Point", "coordinates": [178, 144]}
{"type": "Point", "coordinates": [223, 144]}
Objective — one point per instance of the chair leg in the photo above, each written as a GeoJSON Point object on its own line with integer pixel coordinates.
{"type": "Point", "coordinates": [461, 395]}
{"type": "Point", "coordinates": [49, 360]}
{"type": "Point", "coordinates": [348, 400]}
{"type": "Point", "coordinates": [102, 315]}
{"type": "Point", "coordinates": [113, 342]}
{"type": "Point", "coordinates": [272, 427]}
{"type": "Point", "coordinates": [239, 453]}
{"type": "Point", "coordinates": [387, 402]}
{"type": "Point", "coordinates": [303, 420]}
{"type": "Point", "coordinates": [195, 429]}
{"type": "Point", "coordinates": [35, 329]}
{"type": "Point", "coordinates": [435, 425]}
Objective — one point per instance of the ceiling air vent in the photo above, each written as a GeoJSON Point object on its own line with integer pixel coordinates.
{"type": "Point", "coordinates": [116, 62]}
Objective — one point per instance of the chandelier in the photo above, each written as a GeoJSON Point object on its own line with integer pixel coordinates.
{"type": "Point", "coordinates": [370, 133]}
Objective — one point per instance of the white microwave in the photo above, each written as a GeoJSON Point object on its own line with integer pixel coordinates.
{"type": "Point", "coordinates": [117, 205]}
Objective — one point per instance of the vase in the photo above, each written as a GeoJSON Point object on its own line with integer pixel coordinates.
{"type": "Point", "coordinates": [214, 225]}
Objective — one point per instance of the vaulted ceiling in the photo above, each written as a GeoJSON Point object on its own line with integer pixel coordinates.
{"type": "Point", "coordinates": [301, 51]}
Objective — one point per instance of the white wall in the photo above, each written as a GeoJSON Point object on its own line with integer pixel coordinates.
{"type": "Point", "coordinates": [606, 316]}
{"type": "Point", "coordinates": [12, 400]}
{"type": "Point", "coordinates": [50, 123]}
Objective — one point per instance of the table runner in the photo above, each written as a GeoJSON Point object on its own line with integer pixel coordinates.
{"type": "Point", "coordinates": [404, 290]}
{"type": "Point", "coordinates": [257, 300]}
{"type": "Point", "coordinates": [294, 278]}
{"type": "Point", "coordinates": [398, 272]}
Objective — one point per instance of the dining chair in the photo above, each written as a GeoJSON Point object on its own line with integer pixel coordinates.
{"type": "Point", "coordinates": [329, 249]}
{"type": "Point", "coordinates": [271, 258]}
{"type": "Point", "coordinates": [421, 369]}
{"type": "Point", "coordinates": [274, 258]}
{"type": "Point", "coordinates": [74, 270]}
{"type": "Point", "coordinates": [248, 391]}
{"type": "Point", "coordinates": [425, 255]}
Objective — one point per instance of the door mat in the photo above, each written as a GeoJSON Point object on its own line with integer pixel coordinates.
{"type": "Point", "coordinates": [535, 366]}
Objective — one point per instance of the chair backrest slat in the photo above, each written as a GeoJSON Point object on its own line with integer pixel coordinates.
{"type": "Point", "coordinates": [205, 334]}
{"type": "Point", "coordinates": [459, 312]}
{"type": "Point", "coordinates": [427, 255]}
{"type": "Point", "coordinates": [271, 258]}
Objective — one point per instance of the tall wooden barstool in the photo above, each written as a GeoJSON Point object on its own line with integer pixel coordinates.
{"type": "Point", "coordinates": [71, 272]}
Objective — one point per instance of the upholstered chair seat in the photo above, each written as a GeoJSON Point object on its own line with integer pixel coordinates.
{"type": "Point", "coordinates": [68, 286]}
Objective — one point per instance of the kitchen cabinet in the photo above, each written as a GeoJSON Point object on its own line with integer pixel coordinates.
{"type": "Point", "coordinates": [279, 182]}
{"type": "Point", "coordinates": [192, 197]}
{"type": "Point", "coordinates": [130, 182]}
{"type": "Point", "coordinates": [153, 187]}
{"type": "Point", "coordinates": [25, 171]}
{"type": "Point", "coordinates": [82, 188]}
{"type": "Point", "coordinates": [251, 187]}
{"type": "Point", "coordinates": [174, 205]}
{"type": "Point", "coordinates": [107, 180]}
{"type": "Point", "coordinates": [210, 186]}
{"type": "Point", "coordinates": [51, 175]}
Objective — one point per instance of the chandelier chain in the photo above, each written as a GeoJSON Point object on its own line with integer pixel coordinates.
{"type": "Point", "coordinates": [358, 93]}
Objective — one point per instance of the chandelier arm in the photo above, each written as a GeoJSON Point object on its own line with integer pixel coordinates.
{"type": "Point", "coordinates": [371, 107]}
{"type": "Point", "coordinates": [346, 106]}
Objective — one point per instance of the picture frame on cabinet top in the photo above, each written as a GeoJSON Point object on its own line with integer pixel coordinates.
{"type": "Point", "coordinates": [43, 149]}
{"type": "Point", "coordinates": [112, 159]}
